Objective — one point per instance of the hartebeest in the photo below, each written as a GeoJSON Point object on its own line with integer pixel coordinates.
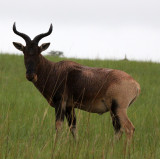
{"type": "Point", "coordinates": [67, 85]}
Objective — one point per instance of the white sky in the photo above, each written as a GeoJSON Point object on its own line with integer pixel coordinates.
{"type": "Point", "coordinates": [86, 28]}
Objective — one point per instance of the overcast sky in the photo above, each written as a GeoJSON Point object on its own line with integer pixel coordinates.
{"type": "Point", "coordinates": [86, 28]}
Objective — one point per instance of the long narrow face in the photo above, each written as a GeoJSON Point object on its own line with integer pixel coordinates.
{"type": "Point", "coordinates": [31, 61]}
{"type": "Point", "coordinates": [31, 52]}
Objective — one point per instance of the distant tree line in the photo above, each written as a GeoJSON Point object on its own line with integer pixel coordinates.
{"type": "Point", "coordinates": [56, 53]}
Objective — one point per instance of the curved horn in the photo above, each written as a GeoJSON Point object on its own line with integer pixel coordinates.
{"type": "Point", "coordinates": [40, 36]}
{"type": "Point", "coordinates": [24, 36]}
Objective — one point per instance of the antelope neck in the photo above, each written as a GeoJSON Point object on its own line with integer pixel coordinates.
{"type": "Point", "coordinates": [44, 69]}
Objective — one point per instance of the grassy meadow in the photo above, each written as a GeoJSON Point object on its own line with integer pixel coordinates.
{"type": "Point", "coordinates": [27, 122]}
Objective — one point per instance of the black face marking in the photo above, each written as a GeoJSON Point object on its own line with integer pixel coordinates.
{"type": "Point", "coordinates": [30, 67]}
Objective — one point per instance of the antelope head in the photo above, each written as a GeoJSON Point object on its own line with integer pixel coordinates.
{"type": "Point", "coordinates": [31, 51]}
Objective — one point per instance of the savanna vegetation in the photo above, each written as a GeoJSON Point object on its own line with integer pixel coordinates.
{"type": "Point", "coordinates": [27, 122]}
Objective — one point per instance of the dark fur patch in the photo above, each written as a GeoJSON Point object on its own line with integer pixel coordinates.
{"type": "Point", "coordinates": [115, 118]}
{"type": "Point", "coordinates": [71, 117]}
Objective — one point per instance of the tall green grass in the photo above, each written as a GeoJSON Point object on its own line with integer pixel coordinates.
{"type": "Point", "coordinates": [27, 122]}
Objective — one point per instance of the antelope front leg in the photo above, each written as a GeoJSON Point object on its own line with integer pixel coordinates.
{"type": "Point", "coordinates": [71, 118]}
{"type": "Point", "coordinates": [60, 113]}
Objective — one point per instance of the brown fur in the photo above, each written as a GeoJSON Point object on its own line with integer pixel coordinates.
{"type": "Point", "coordinates": [67, 85]}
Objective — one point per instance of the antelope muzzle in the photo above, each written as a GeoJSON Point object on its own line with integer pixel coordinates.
{"type": "Point", "coordinates": [31, 77]}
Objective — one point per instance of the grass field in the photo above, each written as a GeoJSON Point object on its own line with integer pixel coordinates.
{"type": "Point", "coordinates": [27, 122]}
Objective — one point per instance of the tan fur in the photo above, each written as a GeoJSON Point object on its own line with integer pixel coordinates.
{"type": "Point", "coordinates": [58, 125]}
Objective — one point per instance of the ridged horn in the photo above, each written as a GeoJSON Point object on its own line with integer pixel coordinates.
{"type": "Point", "coordinates": [40, 36]}
{"type": "Point", "coordinates": [24, 36]}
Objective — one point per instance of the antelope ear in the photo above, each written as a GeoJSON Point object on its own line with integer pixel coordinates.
{"type": "Point", "coordinates": [44, 46]}
{"type": "Point", "coordinates": [18, 46]}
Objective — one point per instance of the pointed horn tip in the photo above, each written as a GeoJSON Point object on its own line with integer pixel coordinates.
{"type": "Point", "coordinates": [14, 26]}
{"type": "Point", "coordinates": [51, 27]}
